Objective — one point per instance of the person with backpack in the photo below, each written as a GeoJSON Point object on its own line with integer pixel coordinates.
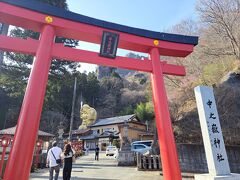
{"type": "Point", "coordinates": [54, 160]}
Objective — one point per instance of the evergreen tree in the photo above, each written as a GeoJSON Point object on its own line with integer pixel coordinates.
{"type": "Point", "coordinates": [16, 70]}
{"type": "Point", "coordinates": [144, 111]}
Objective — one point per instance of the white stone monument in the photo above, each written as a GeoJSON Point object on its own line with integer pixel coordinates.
{"type": "Point", "coordinates": [216, 155]}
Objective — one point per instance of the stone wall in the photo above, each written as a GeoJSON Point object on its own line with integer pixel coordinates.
{"type": "Point", "coordinates": [192, 158]}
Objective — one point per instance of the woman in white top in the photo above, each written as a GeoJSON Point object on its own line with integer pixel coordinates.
{"type": "Point", "coordinates": [67, 157]}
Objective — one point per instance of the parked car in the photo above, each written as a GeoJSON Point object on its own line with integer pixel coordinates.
{"type": "Point", "coordinates": [111, 150]}
{"type": "Point", "coordinates": [140, 148]}
{"type": "Point", "coordinates": [146, 142]}
{"type": "Point", "coordinates": [44, 151]}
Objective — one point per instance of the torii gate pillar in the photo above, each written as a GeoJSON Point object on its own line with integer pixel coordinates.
{"type": "Point", "coordinates": [165, 133]}
{"type": "Point", "coordinates": [29, 118]}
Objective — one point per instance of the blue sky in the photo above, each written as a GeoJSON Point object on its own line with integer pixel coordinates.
{"type": "Point", "coordinates": [156, 15]}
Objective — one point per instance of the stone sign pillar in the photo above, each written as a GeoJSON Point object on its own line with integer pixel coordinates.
{"type": "Point", "coordinates": [60, 135]}
{"type": "Point", "coordinates": [125, 155]}
{"type": "Point", "coordinates": [125, 146]}
{"type": "Point", "coordinates": [215, 151]}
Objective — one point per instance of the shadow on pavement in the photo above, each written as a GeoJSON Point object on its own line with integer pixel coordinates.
{"type": "Point", "coordinates": [40, 177]}
{"type": "Point", "coordinates": [77, 171]}
{"type": "Point", "coordinates": [73, 178]}
{"type": "Point", "coordinates": [79, 178]}
{"type": "Point", "coordinates": [184, 175]}
{"type": "Point", "coordinates": [82, 167]}
{"type": "Point", "coordinates": [101, 165]}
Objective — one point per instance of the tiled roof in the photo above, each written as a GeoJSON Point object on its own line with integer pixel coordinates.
{"type": "Point", "coordinates": [109, 133]}
{"type": "Point", "coordinates": [89, 137]}
{"type": "Point", "coordinates": [146, 134]}
{"type": "Point", "coordinates": [113, 120]}
{"type": "Point", "coordinates": [78, 132]}
{"type": "Point", "coordinates": [11, 131]}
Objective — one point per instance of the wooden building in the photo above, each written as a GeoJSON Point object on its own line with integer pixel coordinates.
{"type": "Point", "coordinates": [105, 129]}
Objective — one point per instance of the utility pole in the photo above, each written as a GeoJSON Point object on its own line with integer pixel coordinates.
{"type": "Point", "coordinates": [81, 100]}
{"type": "Point", "coordinates": [73, 107]}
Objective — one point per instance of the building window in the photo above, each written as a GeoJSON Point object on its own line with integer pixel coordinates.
{"type": "Point", "coordinates": [98, 131]}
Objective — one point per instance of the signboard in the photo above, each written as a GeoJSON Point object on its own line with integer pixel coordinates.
{"type": "Point", "coordinates": [109, 44]}
{"type": "Point", "coordinates": [211, 131]}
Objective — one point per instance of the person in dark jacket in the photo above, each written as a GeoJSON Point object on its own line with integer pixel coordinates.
{"type": "Point", "coordinates": [96, 152]}
{"type": "Point", "coordinates": [67, 157]}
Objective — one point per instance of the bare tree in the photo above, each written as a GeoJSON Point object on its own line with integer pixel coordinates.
{"type": "Point", "coordinates": [50, 121]}
{"type": "Point", "coordinates": [193, 63]}
{"type": "Point", "coordinates": [223, 18]}
{"type": "Point", "coordinates": [186, 27]}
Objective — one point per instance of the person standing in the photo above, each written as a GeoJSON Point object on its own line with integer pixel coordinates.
{"type": "Point", "coordinates": [67, 156]}
{"type": "Point", "coordinates": [97, 153]}
{"type": "Point", "coordinates": [87, 150]}
{"type": "Point", "coordinates": [53, 158]}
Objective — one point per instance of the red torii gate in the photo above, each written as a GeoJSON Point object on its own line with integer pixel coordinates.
{"type": "Point", "coordinates": [51, 22]}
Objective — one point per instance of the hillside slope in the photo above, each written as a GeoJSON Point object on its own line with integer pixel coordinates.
{"type": "Point", "coordinates": [227, 95]}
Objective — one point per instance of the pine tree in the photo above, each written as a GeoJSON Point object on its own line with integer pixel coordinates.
{"type": "Point", "coordinates": [16, 68]}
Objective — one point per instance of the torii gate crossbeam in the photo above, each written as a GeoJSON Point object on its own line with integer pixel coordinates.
{"type": "Point", "coordinates": [51, 22]}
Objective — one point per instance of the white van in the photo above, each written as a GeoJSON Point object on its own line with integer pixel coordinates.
{"type": "Point", "coordinates": [111, 150]}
